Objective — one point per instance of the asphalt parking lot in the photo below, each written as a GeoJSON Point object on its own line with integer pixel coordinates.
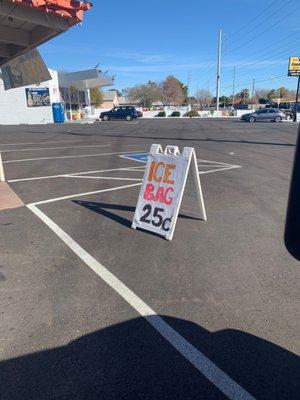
{"type": "Point", "coordinates": [92, 309]}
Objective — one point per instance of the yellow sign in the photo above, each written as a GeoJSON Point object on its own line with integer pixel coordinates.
{"type": "Point", "coordinates": [294, 66]}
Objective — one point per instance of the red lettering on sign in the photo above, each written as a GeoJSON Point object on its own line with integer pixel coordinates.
{"type": "Point", "coordinates": [161, 195]}
{"type": "Point", "coordinates": [169, 200]}
{"type": "Point", "coordinates": [148, 194]}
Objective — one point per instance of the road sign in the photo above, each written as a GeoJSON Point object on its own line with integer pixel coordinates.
{"type": "Point", "coordinates": [162, 189]}
{"type": "Point", "coordinates": [294, 66]}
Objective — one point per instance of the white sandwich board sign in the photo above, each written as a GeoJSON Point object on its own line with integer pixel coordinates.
{"type": "Point", "coordinates": [162, 189]}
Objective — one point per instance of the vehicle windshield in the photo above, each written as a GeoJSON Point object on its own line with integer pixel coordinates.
{"type": "Point", "coordinates": [149, 200]}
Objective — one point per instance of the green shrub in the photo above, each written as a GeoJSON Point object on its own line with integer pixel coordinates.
{"type": "Point", "coordinates": [175, 114]}
{"type": "Point", "coordinates": [191, 114]}
{"type": "Point", "coordinates": [161, 114]}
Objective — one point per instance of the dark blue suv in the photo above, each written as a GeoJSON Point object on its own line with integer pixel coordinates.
{"type": "Point", "coordinates": [121, 112]}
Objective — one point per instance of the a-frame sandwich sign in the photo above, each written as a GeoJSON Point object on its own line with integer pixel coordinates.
{"type": "Point", "coordinates": [163, 187]}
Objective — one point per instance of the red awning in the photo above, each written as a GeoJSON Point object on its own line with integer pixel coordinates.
{"type": "Point", "coordinates": [25, 24]}
{"type": "Point", "coordinates": [72, 9]}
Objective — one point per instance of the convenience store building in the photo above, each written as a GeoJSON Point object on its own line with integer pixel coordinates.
{"type": "Point", "coordinates": [33, 104]}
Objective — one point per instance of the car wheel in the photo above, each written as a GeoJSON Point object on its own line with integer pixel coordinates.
{"type": "Point", "coordinates": [277, 119]}
{"type": "Point", "coordinates": [251, 119]}
{"type": "Point", "coordinates": [128, 117]}
{"type": "Point", "coordinates": [105, 118]}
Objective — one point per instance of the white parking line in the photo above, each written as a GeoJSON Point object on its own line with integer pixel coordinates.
{"type": "Point", "coordinates": [101, 177]}
{"type": "Point", "coordinates": [219, 169]}
{"type": "Point", "coordinates": [44, 142]}
{"type": "Point", "coordinates": [55, 148]}
{"type": "Point", "coordinates": [85, 194]}
{"type": "Point", "coordinates": [35, 178]}
{"type": "Point", "coordinates": [57, 157]}
{"type": "Point", "coordinates": [215, 162]}
{"type": "Point", "coordinates": [211, 371]}
{"type": "Point", "coordinates": [130, 158]}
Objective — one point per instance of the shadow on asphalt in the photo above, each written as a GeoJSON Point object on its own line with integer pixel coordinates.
{"type": "Point", "coordinates": [102, 209]}
{"type": "Point", "coordinates": [132, 361]}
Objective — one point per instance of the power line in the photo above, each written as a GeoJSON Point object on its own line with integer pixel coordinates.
{"type": "Point", "coordinates": [250, 83]}
{"type": "Point", "coordinates": [255, 18]}
{"type": "Point", "coordinates": [249, 72]}
{"type": "Point", "coordinates": [256, 81]}
{"type": "Point", "coordinates": [207, 73]}
{"type": "Point", "coordinates": [260, 67]}
{"type": "Point", "coordinates": [285, 41]}
{"type": "Point", "coordinates": [267, 29]}
{"type": "Point", "coordinates": [266, 54]}
{"type": "Point", "coordinates": [255, 27]}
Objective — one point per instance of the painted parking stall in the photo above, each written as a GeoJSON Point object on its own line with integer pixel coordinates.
{"type": "Point", "coordinates": [81, 249]}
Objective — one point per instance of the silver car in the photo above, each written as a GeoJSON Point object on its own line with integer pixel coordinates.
{"type": "Point", "coordinates": [264, 114]}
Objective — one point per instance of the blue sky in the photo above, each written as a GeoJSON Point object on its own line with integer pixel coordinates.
{"type": "Point", "coordinates": [147, 40]}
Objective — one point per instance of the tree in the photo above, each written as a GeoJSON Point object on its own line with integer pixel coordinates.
{"type": "Point", "coordinates": [282, 92]}
{"type": "Point", "coordinates": [173, 91]}
{"type": "Point", "coordinates": [243, 96]}
{"type": "Point", "coordinates": [204, 97]}
{"type": "Point", "coordinates": [96, 97]}
{"type": "Point", "coordinates": [291, 95]}
{"type": "Point", "coordinates": [192, 100]}
{"type": "Point", "coordinates": [186, 98]}
{"type": "Point", "coordinates": [260, 96]}
{"type": "Point", "coordinates": [272, 94]}
{"type": "Point", "coordinates": [115, 90]}
{"type": "Point", "coordinates": [146, 94]}
{"type": "Point", "coordinates": [223, 100]}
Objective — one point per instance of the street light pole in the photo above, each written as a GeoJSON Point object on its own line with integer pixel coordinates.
{"type": "Point", "coordinates": [219, 68]}
{"type": "Point", "coordinates": [253, 83]}
{"type": "Point", "coordinates": [233, 86]}
{"type": "Point", "coordinates": [70, 105]}
{"type": "Point", "coordinates": [297, 97]}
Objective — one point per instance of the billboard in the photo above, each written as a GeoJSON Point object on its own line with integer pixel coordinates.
{"type": "Point", "coordinates": [24, 70]}
{"type": "Point", "coordinates": [37, 97]}
{"type": "Point", "coordinates": [294, 66]}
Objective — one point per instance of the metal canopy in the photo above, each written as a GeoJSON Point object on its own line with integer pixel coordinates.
{"type": "Point", "coordinates": [88, 79]}
{"type": "Point", "coordinates": [25, 24]}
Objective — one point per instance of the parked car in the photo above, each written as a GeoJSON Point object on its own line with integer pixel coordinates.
{"type": "Point", "coordinates": [264, 114]}
{"type": "Point", "coordinates": [122, 112]}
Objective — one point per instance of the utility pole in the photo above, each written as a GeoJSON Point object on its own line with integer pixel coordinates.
{"type": "Point", "coordinates": [70, 105]}
{"type": "Point", "coordinates": [253, 83]}
{"type": "Point", "coordinates": [233, 86]}
{"type": "Point", "coordinates": [297, 97]}
{"type": "Point", "coordinates": [188, 85]}
{"type": "Point", "coordinates": [219, 68]}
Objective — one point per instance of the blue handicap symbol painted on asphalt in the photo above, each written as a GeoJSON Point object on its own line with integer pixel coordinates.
{"type": "Point", "coordinates": [140, 157]}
